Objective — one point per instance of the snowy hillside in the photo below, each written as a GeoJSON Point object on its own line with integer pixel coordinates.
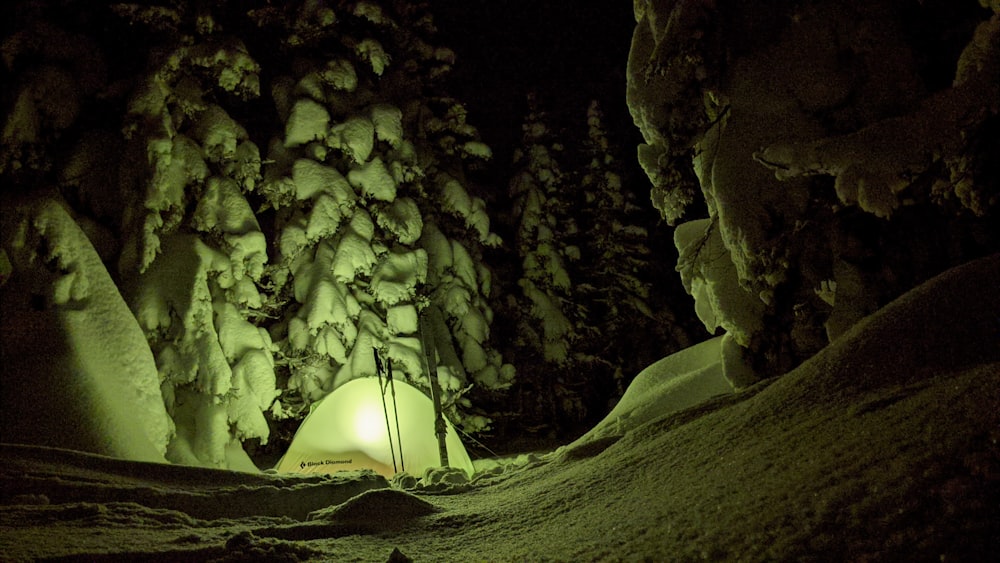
{"type": "Point", "coordinates": [883, 447]}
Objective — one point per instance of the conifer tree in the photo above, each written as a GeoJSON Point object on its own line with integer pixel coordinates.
{"type": "Point", "coordinates": [193, 253]}
{"type": "Point", "coordinates": [375, 225]}
{"type": "Point", "coordinates": [618, 269]}
{"type": "Point", "coordinates": [548, 317]}
{"type": "Point", "coordinates": [585, 316]}
{"type": "Point", "coordinates": [543, 228]}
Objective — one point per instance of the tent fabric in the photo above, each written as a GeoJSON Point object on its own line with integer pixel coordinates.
{"type": "Point", "coordinates": [346, 431]}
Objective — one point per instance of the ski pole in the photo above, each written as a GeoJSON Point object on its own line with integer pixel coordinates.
{"type": "Point", "coordinates": [385, 410]}
{"type": "Point", "coordinates": [395, 410]}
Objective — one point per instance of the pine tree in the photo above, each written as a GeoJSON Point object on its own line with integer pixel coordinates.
{"type": "Point", "coordinates": [618, 268]}
{"type": "Point", "coordinates": [585, 316]}
{"type": "Point", "coordinates": [162, 192]}
{"type": "Point", "coordinates": [375, 224]}
{"type": "Point", "coordinates": [543, 229]}
{"type": "Point", "coordinates": [549, 320]}
{"type": "Point", "coordinates": [193, 251]}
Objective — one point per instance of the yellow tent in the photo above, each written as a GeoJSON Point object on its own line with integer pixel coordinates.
{"type": "Point", "coordinates": [347, 430]}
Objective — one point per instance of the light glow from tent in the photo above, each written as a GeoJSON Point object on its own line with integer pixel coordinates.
{"type": "Point", "coordinates": [369, 423]}
{"type": "Point", "coordinates": [347, 431]}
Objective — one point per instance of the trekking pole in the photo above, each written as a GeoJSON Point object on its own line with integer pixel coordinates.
{"type": "Point", "coordinates": [395, 410]}
{"type": "Point", "coordinates": [385, 410]}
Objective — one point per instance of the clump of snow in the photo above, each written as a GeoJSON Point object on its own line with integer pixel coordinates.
{"type": "Point", "coordinates": [372, 12]}
{"type": "Point", "coordinates": [308, 121]}
{"type": "Point", "coordinates": [312, 178]}
{"type": "Point", "coordinates": [355, 136]}
{"type": "Point", "coordinates": [176, 163]}
{"type": "Point", "coordinates": [235, 70]}
{"type": "Point", "coordinates": [477, 149]}
{"type": "Point", "coordinates": [388, 122]}
{"type": "Point", "coordinates": [407, 355]}
{"type": "Point", "coordinates": [340, 74]}
{"type": "Point", "coordinates": [710, 277]}
{"type": "Point", "coordinates": [555, 326]}
{"type": "Point", "coordinates": [397, 276]}
{"type": "Point", "coordinates": [218, 134]}
{"type": "Point", "coordinates": [374, 180]}
{"type": "Point", "coordinates": [402, 319]}
{"type": "Point", "coordinates": [224, 207]}
{"type": "Point", "coordinates": [371, 51]}
{"type": "Point", "coordinates": [455, 198]}
{"type": "Point", "coordinates": [354, 256]}
{"type": "Point", "coordinates": [402, 219]}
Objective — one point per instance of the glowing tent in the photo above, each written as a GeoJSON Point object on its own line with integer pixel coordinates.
{"type": "Point", "coordinates": [347, 430]}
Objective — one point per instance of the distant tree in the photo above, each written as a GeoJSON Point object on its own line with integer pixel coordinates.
{"type": "Point", "coordinates": [632, 326]}
{"type": "Point", "coordinates": [584, 317]}
{"type": "Point", "coordinates": [548, 316]}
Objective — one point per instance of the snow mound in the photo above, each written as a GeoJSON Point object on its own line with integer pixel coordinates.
{"type": "Point", "coordinates": [384, 507]}
{"type": "Point", "coordinates": [677, 382]}
{"type": "Point", "coordinates": [76, 372]}
{"type": "Point", "coordinates": [198, 493]}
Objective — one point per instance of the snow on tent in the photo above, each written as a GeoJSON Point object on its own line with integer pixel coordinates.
{"type": "Point", "coordinates": [349, 430]}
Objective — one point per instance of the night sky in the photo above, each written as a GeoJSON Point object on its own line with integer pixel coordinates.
{"type": "Point", "coordinates": [567, 52]}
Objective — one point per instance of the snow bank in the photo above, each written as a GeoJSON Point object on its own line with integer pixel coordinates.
{"type": "Point", "coordinates": [77, 372]}
{"type": "Point", "coordinates": [677, 382]}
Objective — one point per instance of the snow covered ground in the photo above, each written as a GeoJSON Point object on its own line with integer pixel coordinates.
{"type": "Point", "coordinates": [885, 446]}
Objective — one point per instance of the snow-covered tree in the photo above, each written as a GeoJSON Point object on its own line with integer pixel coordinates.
{"type": "Point", "coordinates": [546, 316]}
{"type": "Point", "coordinates": [160, 187]}
{"type": "Point", "coordinates": [583, 314]}
{"type": "Point", "coordinates": [543, 195]}
{"type": "Point", "coordinates": [837, 170]}
{"type": "Point", "coordinates": [375, 227]}
{"type": "Point", "coordinates": [193, 253]}
{"type": "Point", "coordinates": [617, 246]}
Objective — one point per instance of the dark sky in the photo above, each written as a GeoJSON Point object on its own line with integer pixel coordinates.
{"type": "Point", "coordinates": [569, 51]}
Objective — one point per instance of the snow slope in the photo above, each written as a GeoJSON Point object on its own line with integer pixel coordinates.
{"type": "Point", "coordinates": [884, 446]}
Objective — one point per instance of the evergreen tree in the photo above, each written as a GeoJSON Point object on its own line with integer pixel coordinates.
{"type": "Point", "coordinates": [374, 222]}
{"type": "Point", "coordinates": [193, 253]}
{"type": "Point", "coordinates": [548, 317]}
{"type": "Point", "coordinates": [585, 316]}
{"type": "Point", "coordinates": [618, 269]}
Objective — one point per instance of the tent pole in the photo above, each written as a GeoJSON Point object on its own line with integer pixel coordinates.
{"type": "Point", "coordinates": [385, 411]}
{"type": "Point", "coordinates": [440, 427]}
{"type": "Point", "coordinates": [395, 410]}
